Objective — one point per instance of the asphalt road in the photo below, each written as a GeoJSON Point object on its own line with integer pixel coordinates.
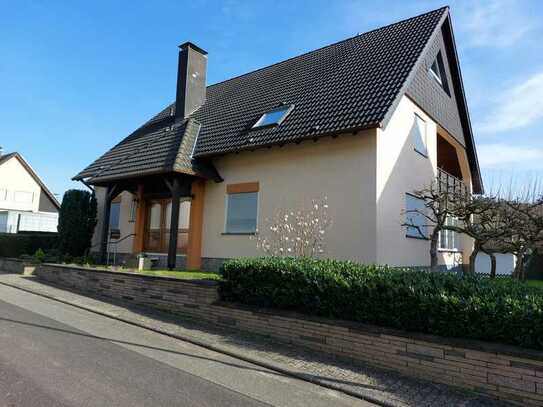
{"type": "Point", "coordinates": [52, 354]}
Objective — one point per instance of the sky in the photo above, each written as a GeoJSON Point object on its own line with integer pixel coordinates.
{"type": "Point", "coordinates": [76, 77]}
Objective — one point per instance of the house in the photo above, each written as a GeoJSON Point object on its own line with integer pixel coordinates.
{"type": "Point", "coordinates": [364, 122]}
{"type": "Point", "coordinates": [26, 204]}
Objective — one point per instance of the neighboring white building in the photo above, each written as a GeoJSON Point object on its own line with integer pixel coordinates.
{"type": "Point", "coordinates": [26, 204]}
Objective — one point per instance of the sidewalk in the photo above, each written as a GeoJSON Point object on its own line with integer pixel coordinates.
{"type": "Point", "coordinates": [372, 384]}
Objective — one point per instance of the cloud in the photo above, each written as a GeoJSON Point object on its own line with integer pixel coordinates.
{"type": "Point", "coordinates": [494, 23]}
{"type": "Point", "coordinates": [508, 156]}
{"type": "Point", "coordinates": [519, 106]}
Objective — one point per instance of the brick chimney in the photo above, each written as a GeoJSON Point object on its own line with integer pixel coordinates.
{"type": "Point", "coordinates": [191, 80]}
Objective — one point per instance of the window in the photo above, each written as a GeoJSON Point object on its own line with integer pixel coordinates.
{"type": "Point", "coordinates": [418, 135]}
{"type": "Point", "coordinates": [157, 229]}
{"type": "Point", "coordinates": [437, 71]}
{"type": "Point", "coordinates": [114, 217]}
{"type": "Point", "coordinates": [24, 197]}
{"type": "Point", "coordinates": [241, 208]}
{"type": "Point", "coordinates": [414, 217]}
{"type": "Point", "coordinates": [133, 210]}
{"type": "Point", "coordinates": [448, 239]}
{"type": "Point", "coordinates": [3, 222]}
{"type": "Point", "coordinates": [274, 117]}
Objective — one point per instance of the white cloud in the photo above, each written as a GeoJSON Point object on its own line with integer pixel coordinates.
{"type": "Point", "coordinates": [519, 106]}
{"type": "Point", "coordinates": [507, 156]}
{"type": "Point", "coordinates": [494, 23]}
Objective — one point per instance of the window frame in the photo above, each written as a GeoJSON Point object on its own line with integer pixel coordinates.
{"type": "Point", "coordinates": [418, 234]}
{"type": "Point", "coordinates": [238, 189]}
{"type": "Point", "coordinates": [448, 234]}
{"type": "Point", "coordinates": [425, 136]}
{"type": "Point", "coordinates": [441, 75]}
{"type": "Point", "coordinates": [115, 232]}
{"type": "Point", "coordinates": [287, 109]}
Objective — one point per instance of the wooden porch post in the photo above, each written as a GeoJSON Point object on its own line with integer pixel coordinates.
{"type": "Point", "coordinates": [106, 211]}
{"type": "Point", "coordinates": [196, 220]}
{"type": "Point", "coordinates": [174, 223]}
{"type": "Point", "coordinates": [139, 227]}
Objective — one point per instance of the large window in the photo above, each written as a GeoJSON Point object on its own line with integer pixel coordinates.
{"type": "Point", "coordinates": [114, 219]}
{"type": "Point", "coordinates": [418, 135]}
{"type": "Point", "coordinates": [448, 239]}
{"type": "Point", "coordinates": [159, 215]}
{"type": "Point", "coordinates": [241, 212]}
{"type": "Point", "coordinates": [414, 217]}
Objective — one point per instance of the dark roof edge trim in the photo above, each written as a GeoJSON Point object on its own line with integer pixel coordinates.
{"type": "Point", "coordinates": [297, 141]}
{"type": "Point", "coordinates": [458, 85]}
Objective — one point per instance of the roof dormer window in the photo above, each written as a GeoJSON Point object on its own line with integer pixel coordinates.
{"type": "Point", "coordinates": [437, 71]}
{"type": "Point", "coordinates": [274, 117]}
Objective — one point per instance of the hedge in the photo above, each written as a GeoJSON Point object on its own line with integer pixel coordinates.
{"type": "Point", "coordinates": [445, 304]}
{"type": "Point", "coordinates": [15, 245]}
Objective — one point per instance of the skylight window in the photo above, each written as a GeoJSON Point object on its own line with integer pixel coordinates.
{"type": "Point", "coordinates": [274, 117]}
{"type": "Point", "coordinates": [437, 70]}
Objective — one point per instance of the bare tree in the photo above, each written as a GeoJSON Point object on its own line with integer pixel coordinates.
{"type": "Point", "coordinates": [299, 233]}
{"type": "Point", "coordinates": [440, 201]}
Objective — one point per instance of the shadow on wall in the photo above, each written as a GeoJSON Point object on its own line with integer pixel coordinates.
{"type": "Point", "coordinates": [401, 170]}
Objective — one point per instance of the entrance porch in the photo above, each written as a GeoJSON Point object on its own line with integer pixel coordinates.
{"type": "Point", "coordinates": [168, 217]}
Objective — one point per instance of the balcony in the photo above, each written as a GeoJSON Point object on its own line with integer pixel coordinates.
{"type": "Point", "coordinates": [450, 183]}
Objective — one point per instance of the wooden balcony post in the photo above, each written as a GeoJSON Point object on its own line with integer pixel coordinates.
{"type": "Point", "coordinates": [106, 212]}
{"type": "Point", "coordinates": [139, 227]}
{"type": "Point", "coordinates": [196, 220]}
{"type": "Point", "coordinates": [174, 223]}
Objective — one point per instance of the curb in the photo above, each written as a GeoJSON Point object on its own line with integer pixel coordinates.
{"type": "Point", "coordinates": [216, 348]}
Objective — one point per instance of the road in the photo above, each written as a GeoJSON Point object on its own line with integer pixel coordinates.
{"type": "Point", "coordinates": [53, 354]}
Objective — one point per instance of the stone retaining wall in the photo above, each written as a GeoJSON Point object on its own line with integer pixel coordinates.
{"type": "Point", "coordinates": [16, 266]}
{"type": "Point", "coordinates": [503, 372]}
{"type": "Point", "coordinates": [158, 292]}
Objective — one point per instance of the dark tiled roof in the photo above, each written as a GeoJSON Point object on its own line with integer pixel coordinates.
{"type": "Point", "coordinates": [346, 86]}
{"type": "Point", "coordinates": [5, 157]}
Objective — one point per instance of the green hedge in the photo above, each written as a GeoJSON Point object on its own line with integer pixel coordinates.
{"type": "Point", "coordinates": [15, 245]}
{"type": "Point", "coordinates": [444, 304]}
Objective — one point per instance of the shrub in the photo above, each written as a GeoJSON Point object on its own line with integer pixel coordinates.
{"type": "Point", "coordinates": [16, 245]}
{"type": "Point", "coordinates": [443, 304]}
{"type": "Point", "coordinates": [39, 256]}
{"type": "Point", "coordinates": [77, 219]}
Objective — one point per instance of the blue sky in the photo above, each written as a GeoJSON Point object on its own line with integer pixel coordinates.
{"type": "Point", "coordinates": [76, 77]}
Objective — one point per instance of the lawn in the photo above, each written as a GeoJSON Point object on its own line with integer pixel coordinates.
{"type": "Point", "coordinates": [535, 283]}
{"type": "Point", "coordinates": [182, 275]}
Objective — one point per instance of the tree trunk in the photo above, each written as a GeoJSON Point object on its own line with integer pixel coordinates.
{"type": "Point", "coordinates": [433, 249]}
{"type": "Point", "coordinates": [519, 267]}
{"type": "Point", "coordinates": [472, 257]}
{"type": "Point", "coordinates": [492, 265]}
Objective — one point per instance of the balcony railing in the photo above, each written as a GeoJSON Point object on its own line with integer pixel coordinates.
{"type": "Point", "coordinates": [450, 183]}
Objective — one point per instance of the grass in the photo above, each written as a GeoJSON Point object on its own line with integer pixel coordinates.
{"type": "Point", "coordinates": [179, 274]}
{"type": "Point", "coordinates": [535, 283]}
{"type": "Point", "coordinates": [182, 275]}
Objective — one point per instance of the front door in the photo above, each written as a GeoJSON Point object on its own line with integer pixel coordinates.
{"type": "Point", "coordinates": [157, 231]}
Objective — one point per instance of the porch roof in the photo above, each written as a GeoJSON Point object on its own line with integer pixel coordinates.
{"type": "Point", "coordinates": [161, 149]}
